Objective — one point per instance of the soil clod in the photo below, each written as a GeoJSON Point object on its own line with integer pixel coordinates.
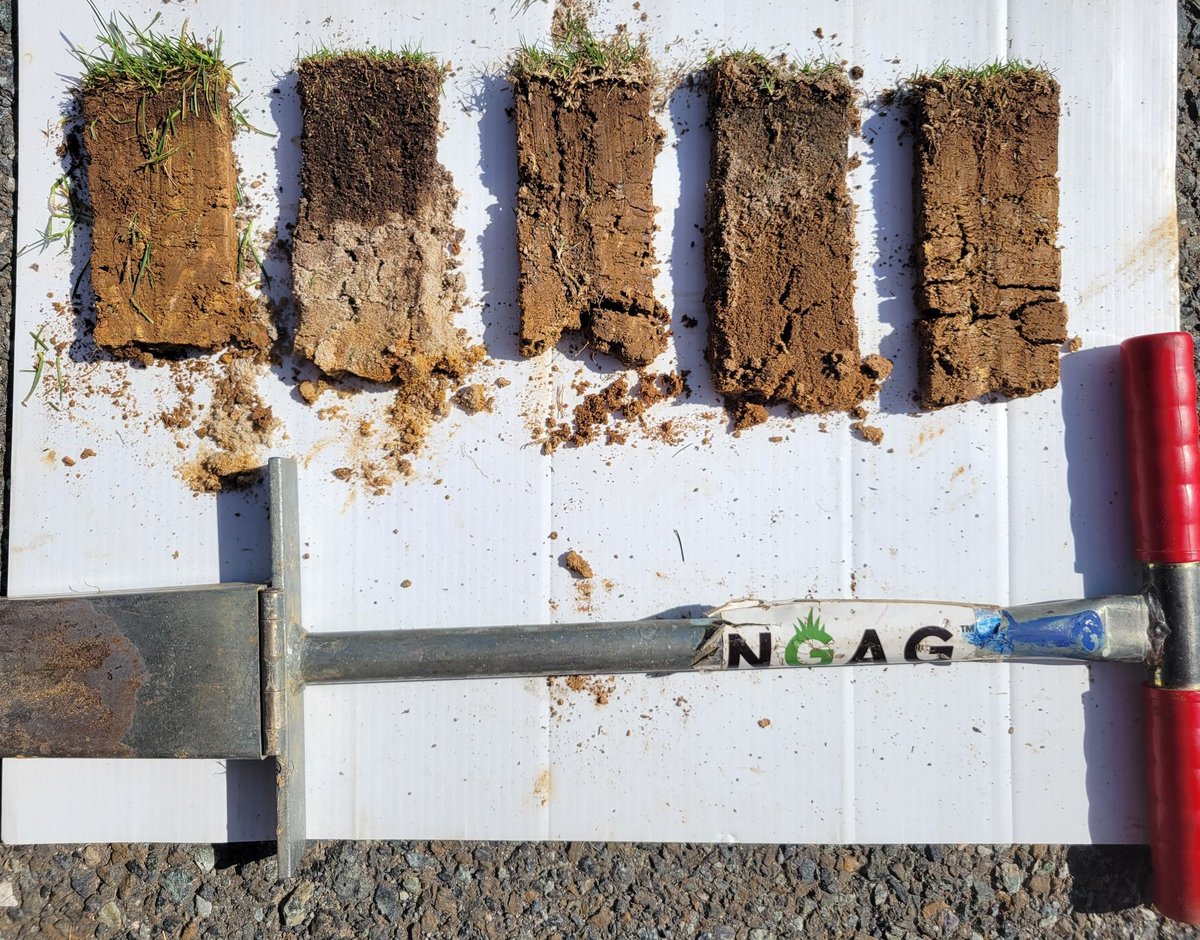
{"type": "Point", "coordinates": [577, 564]}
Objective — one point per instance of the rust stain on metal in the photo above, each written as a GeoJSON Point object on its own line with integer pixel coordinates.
{"type": "Point", "coordinates": [69, 680]}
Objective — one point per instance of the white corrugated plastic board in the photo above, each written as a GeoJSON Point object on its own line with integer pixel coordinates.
{"type": "Point", "coordinates": [1003, 502]}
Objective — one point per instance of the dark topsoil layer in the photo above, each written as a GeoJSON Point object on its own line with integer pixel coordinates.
{"type": "Point", "coordinates": [370, 138]}
{"type": "Point", "coordinates": [585, 215]}
{"type": "Point", "coordinates": [780, 241]}
{"type": "Point", "coordinates": [371, 250]}
{"type": "Point", "coordinates": [164, 238]}
{"type": "Point", "coordinates": [986, 206]}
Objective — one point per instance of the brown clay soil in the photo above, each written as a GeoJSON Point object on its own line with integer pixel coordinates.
{"type": "Point", "coordinates": [164, 239]}
{"type": "Point", "coordinates": [779, 242]}
{"type": "Point", "coordinates": [585, 215]}
{"type": "Point", "coordinates": [373, 271]}
{"type": "Point", "coordinates": [986, 204]}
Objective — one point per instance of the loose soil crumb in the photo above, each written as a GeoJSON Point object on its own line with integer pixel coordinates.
{"type": "Point", "coordinates": [586, 146]}
{"type": "Point", "coordinates": [1075, 344]}
{"type": "Point", "coordinates": [86, 453]}
{"type": "Point", "coordinates": [764, 722]}
{"type": "Point", "coordinates": [869, 433]}
{"type": "Point", "coordinates": [617, 402]}
{"type": "Point", "coordinates": [986, 204]}
{"type": "Point", "coordinates": [473, 399]}
{"type": "Point", "coordinates": [237, 428]}
{"type": "Point", "coordinates": [600, 689]}
{"type": "Point", "coordinates": [779, 241]}
{"type": "Point", "coordinates": [576, 564]}
{"type": "Point", "coordinates": [164, 254]}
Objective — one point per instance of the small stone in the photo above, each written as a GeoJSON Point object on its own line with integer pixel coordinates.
{"type": "Point", "coordinates": [807, 869]}
{"type": "Point", "coordinates": [110, 915]}
{"type": "Point", "coordinates": [295, 908]}
{"type": "Point", "coordinates": [177, 883]}
{"type": "Point", "coordinates": [203, 906]}
{"type": "Point", "coordinates": [8, 894]}
{"type": "Point", "coordinates": [420, 861]}
{"type": "Point", "coordinates": [84, 882]}
{"type": "Point", "coordinates": [385, 900]}
{"type": "Point", "coordinates": [93, 856]}
{"type": "Point", "coordinates": [412, 884]}
{"type": "Point", "coordinates": [206, 858]}
{"type": "Point", "coordinates": [1010, 877]}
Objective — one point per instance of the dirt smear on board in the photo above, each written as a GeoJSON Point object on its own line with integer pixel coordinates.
{"type": "Point", "coordinates": [162, 186]}
{"type": "Point", "coordinates": [373, 254]}
{"type": "Point", "coordinates": [780, 242]}
{"type": "Point", "coordinates": [586, 146]}
{"type": "Point", "coordinates": [986, 205]}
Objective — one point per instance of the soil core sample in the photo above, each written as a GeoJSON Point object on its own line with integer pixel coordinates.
{"type": "Point", "coordinates": [986, 205]}
{"type": "Point", "coordinates": [586, 145]}
{"type": "Point", "coordinates": [157, 141]}
{"type": "Point", "coordinates": [372, 267]}
{"type": "Point", "coordinates": [779, 240]}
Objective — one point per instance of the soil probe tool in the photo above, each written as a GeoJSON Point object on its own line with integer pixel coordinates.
{"type": "Point", "coordinates": [220, 671]}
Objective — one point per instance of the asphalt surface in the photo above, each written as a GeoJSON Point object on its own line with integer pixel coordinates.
{"type": "Point", "coordinates": [548, 890]}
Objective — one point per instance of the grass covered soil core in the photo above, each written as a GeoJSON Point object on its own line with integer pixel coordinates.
{"type": "Point", "coordinates": [586, 145]}
{"type": "Point", "coordinates": [986, 206]}
{"type": "Point", "coordinates": [779, 239]}
{"type": "Point", "coordinates": [373, 251]}
{"type": "Point", "coordinates": [157, 134]}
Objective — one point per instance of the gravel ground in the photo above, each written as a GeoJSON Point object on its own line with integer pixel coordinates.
{"type": "Point", "coordinates": [500, 890]}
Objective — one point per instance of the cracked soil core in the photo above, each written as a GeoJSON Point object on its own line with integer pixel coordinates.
{"type": "Point", "coordinates": [780, 242]}
{"type": "Point", "coordinates": [986, 205]}
{"type": "Point", "coordinates": [585, 215]}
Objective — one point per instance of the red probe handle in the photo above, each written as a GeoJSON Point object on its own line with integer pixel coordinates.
{"type": "Point", "coordinates": [1164, 469]}
{"type": "Point", "coordinates": [1164, 456]}
{"type": "Point", "coordinates": [1172, 718]}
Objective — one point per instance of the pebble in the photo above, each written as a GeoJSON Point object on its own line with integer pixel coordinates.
{"type": "Point", "coordinates": [8, 894]}
{"type": "Point", "coordinates": [1011, 877]}
{"type": "Point", "coordinates": [178, 885]}
{"type": "Point", "coordinates": [385, 900]}
{"type": "Point", "coordinates": [206, 858]}
{"type": "Point", "coordinates": [296, 907]}
{"type": "Point", "coordinates": [111, 916]}
{"type": "Point", "coordinates": [84, 882]}
{"type": "Point", "coordinates": [203, 906]}
{"type": "Point", "coordinates": [420, 861]}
